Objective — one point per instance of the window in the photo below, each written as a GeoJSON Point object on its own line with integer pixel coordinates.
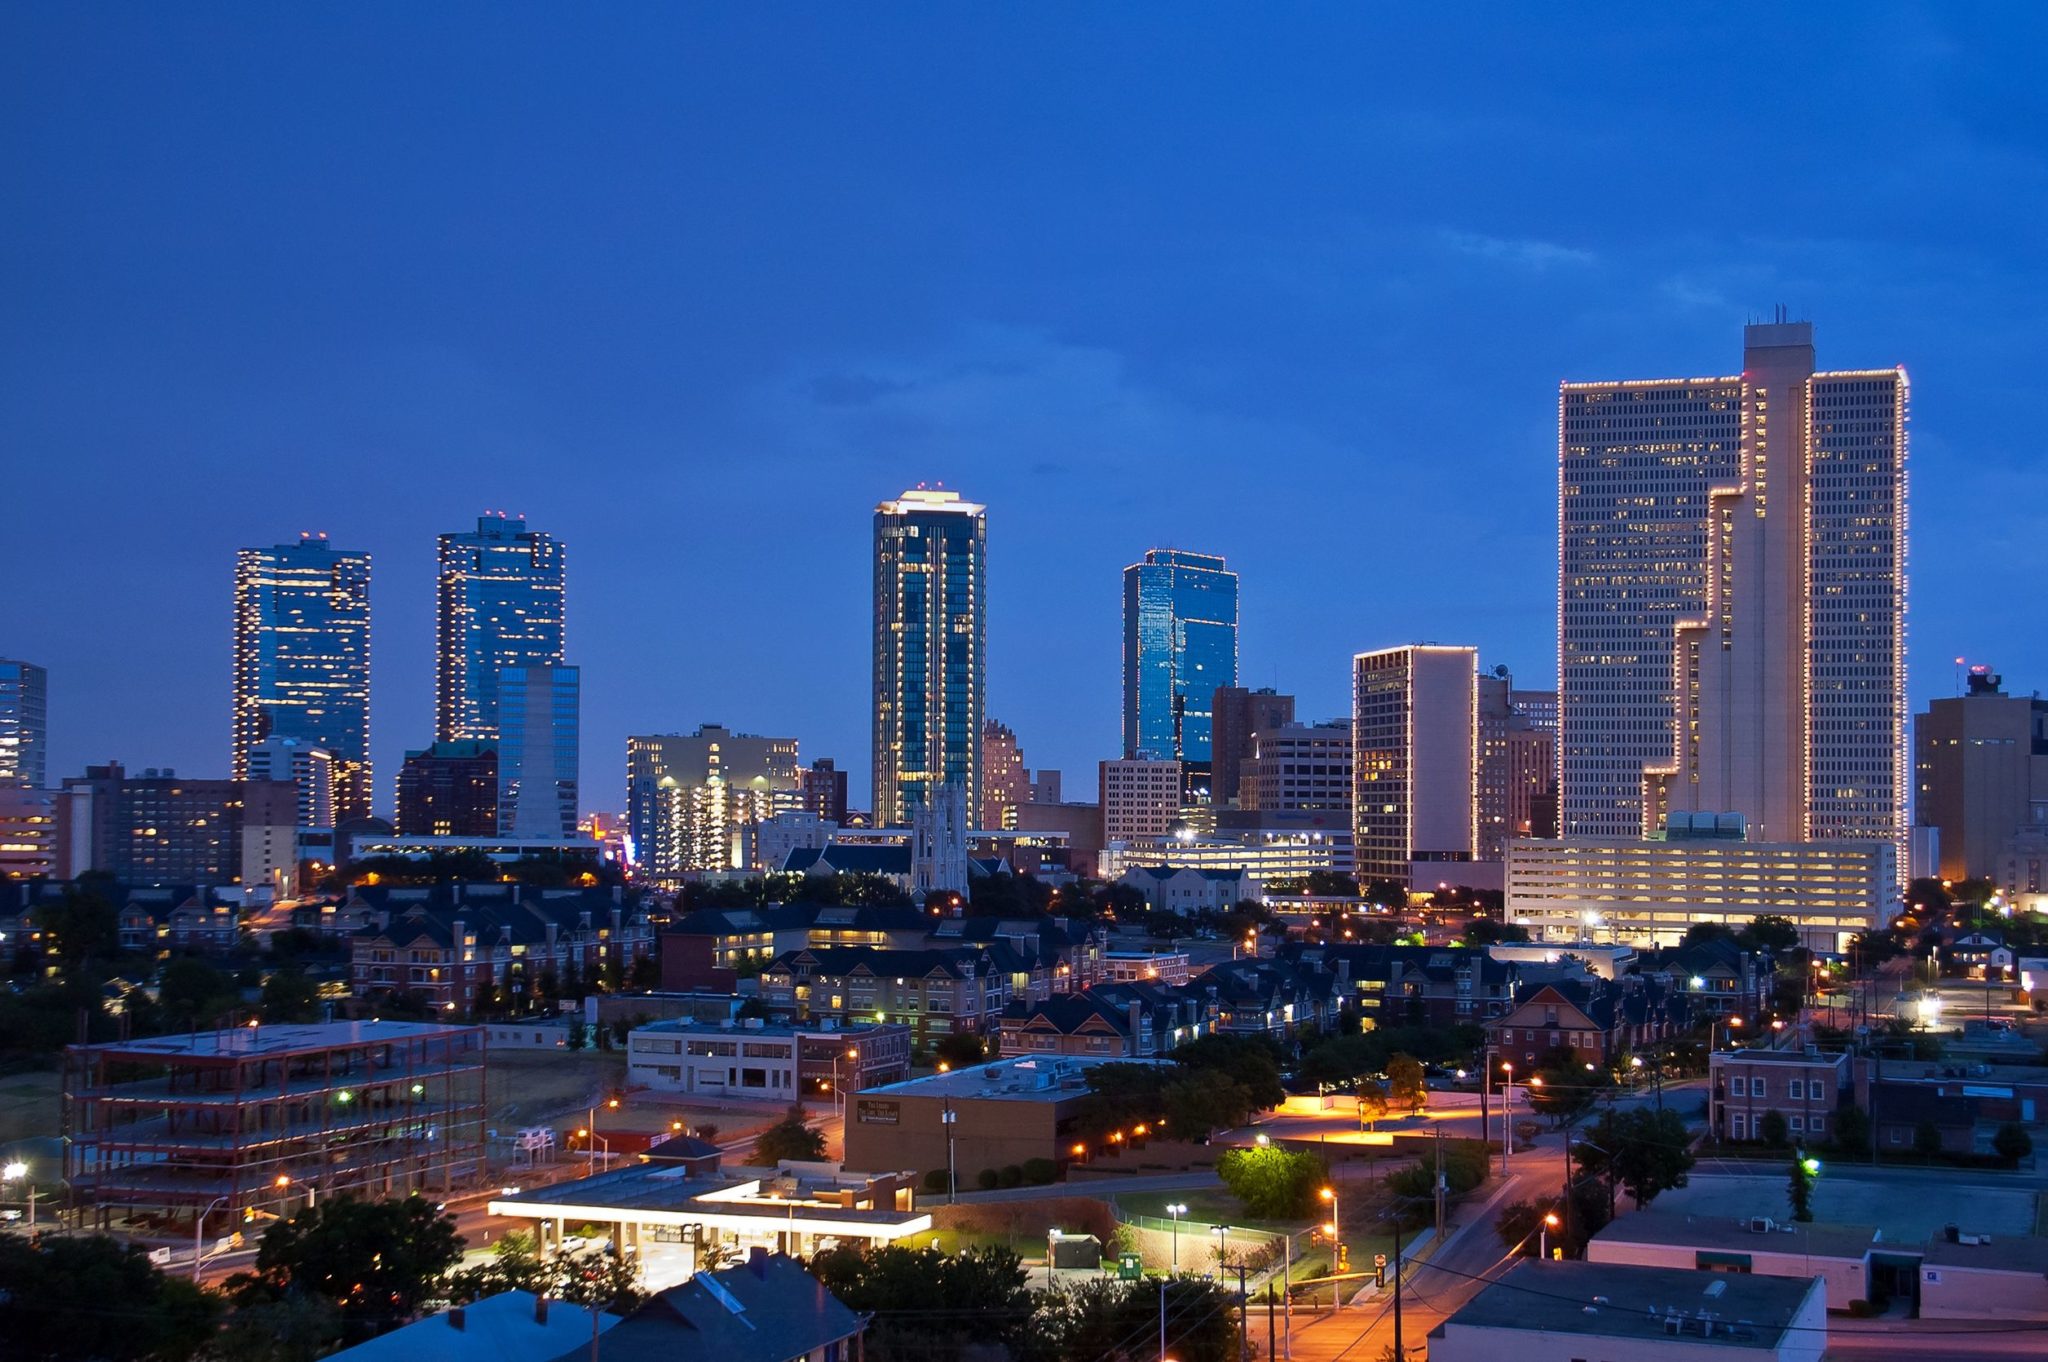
{"type": "Point", "coordinates": [1798, 1124]}
{"type": "Point", "coordinates": [1756, 1086]}
{"type": "Point", "coordinates": [1796, 1090]}
{"type": "Point", "coordinates": [1736, 1127]}
{"type": "Point", "coordinates": [1735, 1086]}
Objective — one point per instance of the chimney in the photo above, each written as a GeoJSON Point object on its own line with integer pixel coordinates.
{"type": "Point", "coordinates": [757, 1262]}
{"type": "Point", "coordinates": [457, 1320]}
{"type": "Point", "coordinates": [540, 1310]}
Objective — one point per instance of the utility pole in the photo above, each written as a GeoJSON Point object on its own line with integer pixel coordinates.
{"type": "Point", "coordinates": [1439, 1182]}
{"type": "Point", "coordinates": [1271, 1327]}
{"type": "Point", "coordinates": [1399, 1351]}
{"type": "Point", "coordinates": [1244, 1345]}
{"type": "Point", "coordinates": [1162, 1319]}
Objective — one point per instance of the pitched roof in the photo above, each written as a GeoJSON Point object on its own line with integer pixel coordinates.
{"type": "Point", "coordinates": [500, 1328]}
{"type": "Point", "coordinates": [766, 1310]}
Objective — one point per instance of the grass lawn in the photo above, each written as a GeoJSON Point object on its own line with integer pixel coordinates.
{"type": "Point", "coordinates": [29, 1106]}
{"type": "Point", "coordinates": [952, 1241]}
{"type": "Point", "coordinates": [538, 1089]}
{"type": "Point", "coordinates": [1206, 1206]}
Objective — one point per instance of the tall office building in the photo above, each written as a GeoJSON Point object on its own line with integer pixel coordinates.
{"type": "Point", "coordinates": [1517, 763]}
{"type": "Point", "coordinates": [1981, 762]}
{"type": "Point", "coordinates": [539, 744]}
{"type": "Point", "coordinates": [823, 789]}
{"type": "Point", "coordinates": [24, 723]}
{"type": "Point", "coordinates": [1784, 660]}
{"type": "Point", "coordinates": [1140, 798]}
{"type": "Point", "coordinates": [1180, 646]}
{"type": "Point", "coordinates": [1005, 784]}
{"type": "Point", "coordinates": [691, 798]}
{"type": "Point", "coordinates": [1237, 716]}
{"type": "Point", "coordinates": [1732, 598]}
{"type": "Point", "coordinates": [302, 659]}
{"type": "Point", "coordinates": [1299, 768]}
{"type": "Point", "coordinates": [500, 604]}
{"type": "Point", "coordinates": [308, 766]}
{"type": "Point", "coordinates": [1415, 758]}
{"type": "Point", "coordinates": [449, 790]}
{"type": "Point", "coordinates": [156, 828]}
{"type": "Point", "coordinates": [931, 626]}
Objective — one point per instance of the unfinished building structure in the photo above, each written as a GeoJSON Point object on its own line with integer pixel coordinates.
{"type": "Point", "coordinates": [256, 1121]}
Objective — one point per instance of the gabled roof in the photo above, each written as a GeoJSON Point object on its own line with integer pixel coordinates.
{"type": "Point", "coordinates": [768, 1309]}
{"type": "Point", "coordinates": [833, 962]}
{"type": "Point", "coordinates": [500, 1328]}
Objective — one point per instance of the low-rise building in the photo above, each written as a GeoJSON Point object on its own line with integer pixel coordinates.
{"type": "Point", "coordinates": [1413, 985]}
{"type": "Point", "coordinates": [1183, 889]}
{"type": "Point", "coordinates": [1591, 1021]}
{"type": "Point", "coordinates": [1137, 1019]}
{"type": "Point", "coordinates": [754, 1058]}
{"type": "Point", "coordinates": [934, 992]}
{"type": "Point", "coordinates": [986, 1116]}
{"type": "Point", "coordinates": [767, 1309]}
{"type": "Point", "coordinates": [1806, 1088]}
{"type": "Point", "coordinates": [1572, 1311]}
{"type": "Point", "coordinates": [512, 1326]}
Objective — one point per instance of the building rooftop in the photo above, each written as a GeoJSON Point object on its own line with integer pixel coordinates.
{"type": "Point", "coordinates": [240, 1042]}
{"type": "Point", "coordinates": [767, 1309]}
{"type": "Point", "coordinates": [1038, 1079]}
{"type": "Point", "coordinates": [750, 1200]}
{"type": "Point", "coordinates": [1764, 1056]}
{"type": "Point", "coordinates": [755, 1027]}
{"type": "Point", "coordinates": [501, 1328]}
{"type": "Point", "coordinates": [1609, 1300]}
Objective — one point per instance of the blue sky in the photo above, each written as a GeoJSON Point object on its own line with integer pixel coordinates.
{"type": "Point", "coordinates": [695, 286]}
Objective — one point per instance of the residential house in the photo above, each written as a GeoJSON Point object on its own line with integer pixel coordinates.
{"type": "Point", "coordinates": [1266, 997]}
{"type": "Point", "coordinates": [934, 992]}
{"type": "Point", "coordinates": [512, 1326]}
{"type": "Point", "coordinates": [1806, 1087]}
{"type": "Point", "coordinates": [1414, 985]}
{"type": "Point", "coordinates": [1592, 1021]}
{"type": "Point", "coordinates": [1134, 1019]}
{"type": "Point", "coordinates": [767, 1309]}
{"type": "Point", "coordinates": [1183, 889]}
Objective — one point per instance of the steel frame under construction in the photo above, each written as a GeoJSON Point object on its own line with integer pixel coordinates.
{"type": "Point", "coordinates": [260, 1120]}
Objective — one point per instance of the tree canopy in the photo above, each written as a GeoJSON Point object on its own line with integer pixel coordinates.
{"type": "Point", "coordinates": [927, 1303]}
{"type": "Point", "coordinates": [1273, 1183]}
{"type": "Point", "coordinates": [1648, 1151]}
{"type": "Point", "coordinates": [93, 1299]}
{"type": "Point", "coordinates": [376, 1260]}
{"type": "Point", "coordinates": [791, 1138]}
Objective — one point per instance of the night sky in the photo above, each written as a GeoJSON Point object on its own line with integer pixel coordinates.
{"type": "Point", "coordinates": [694, 286]}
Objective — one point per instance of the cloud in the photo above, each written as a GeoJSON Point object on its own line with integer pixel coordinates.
{"type": "Point", "coordinates": [1526, 252]}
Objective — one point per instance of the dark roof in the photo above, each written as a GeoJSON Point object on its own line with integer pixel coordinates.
{"type": "Point", "coordinates": [836, 961]}
{"type": "Point", "coordinates": [1613, 1300]}
{"type": "Point", "coordinates": [766, 1310]}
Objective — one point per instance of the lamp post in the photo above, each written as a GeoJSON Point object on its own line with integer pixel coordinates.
{"type": "Point", "coordinates": [1222, 1233]}
{"type": "Point", "coordinates": [199, 1229]}
{"type": "Point", "coordinates": [1543, 1235]}
{"type": "Point", "coordinates": [1507, 1112]}
{"type": "Point", "coordinates": [839, 1087]}
{"type": "Point", "coordinates": [284, 1180]}
{"type": "Point", "coordinates": [947, 1118]}
{"type": "Point", "coordinates": [1329, 1194]}
{"type": "Point", "coordinates": [17, 1172]}
{"type": "Point", "coordinates": [1176, 1210]}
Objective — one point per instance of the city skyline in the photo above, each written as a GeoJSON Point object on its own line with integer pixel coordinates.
{"type": "Point", "coordinates": [210, 357]}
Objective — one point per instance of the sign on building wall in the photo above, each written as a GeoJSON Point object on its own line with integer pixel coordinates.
{"type": "Point", "coordinates": [870, 1112]}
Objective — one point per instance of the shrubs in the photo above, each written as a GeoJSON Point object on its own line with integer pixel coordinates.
{"type": "Point", "coordinates": [935, 1181]}
{"type": "Point", "coordinates": [1011, 1176]}
{"type": "Point", "coordinates": [1039, 1172]}
{"type": "Point", "coordinates": [987, 1179]}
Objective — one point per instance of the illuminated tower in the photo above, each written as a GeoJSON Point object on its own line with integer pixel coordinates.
{"type": "Point", "coordinates": [1180, 647]}
{"type": "Point", "coordinates": [500, 605]}
{"type": "Point", "coordinates": [302, 659]}
{"type": "Point", "coordinates": [1414, 759]}
{"type": "Point", "coordinates": [24, 723]}
{"type": "Point", "coordinates": [1745, 537]}
{"type": "Point", "coordinates": [931, 616]}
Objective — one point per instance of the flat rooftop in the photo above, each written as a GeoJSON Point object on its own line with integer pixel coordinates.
{"type": "Point", "coordinates": [1907, 1207]}
{"type": "Point", "coordinates": [1763, 1055]}
{"type": "Point", "coordinates": [1609, 1300]}
{"type": "Point", "coordinates": [743, 1029]}
{"type": "Point", "coordinates": [245, 1042]}
{"type": "Point", "coordinates": [1044, 1078]}
{"type": "Point", "coordinates": [734, 1199]}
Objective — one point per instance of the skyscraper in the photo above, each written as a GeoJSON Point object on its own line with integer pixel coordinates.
{"type": "Point", "coordinates": [500, 605]}
{"type": "Point", "coordinates": [1982, 760]}
{"type": "Point", "coordinates": [690, 797]}
{"type": "Point", "coordinates": [931, 618]}
{"type": "Point", "coordinates": [1414, 758]}
{"type": "Point", "coordinates": [1005, 784]}
{"type": "Point", "coordinates": [1783, 644]}
{"type": "Point", "coordinates": [539, 745]}
{"type": "Point", "coordinates": [1180, 646]}
{"type": "Point", "coordinates": [1237, 716]}
{"type": "Point", "coordinates": [449, 790]}
{"type": "Point", "coordinates": [302, 659]}
{"type": "Point", "coordinates": [24, 723]}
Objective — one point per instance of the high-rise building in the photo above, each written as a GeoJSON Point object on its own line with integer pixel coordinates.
{"type": "Point", "coordinates": [1180, 646]}
{"type": "Point", "coordinates": [157, 828]}
{"type": "Point", "coordinates": [823, 787]}
{"type": "Point", "coordinates": [302, 659]}
{"type": "Point", "coordinates": [1236, 715]}
{"type": "Point", "coordinates": [308, 766]}
{"type": "Point", "coordinates": [1005, 784]}
{"type": "Point", "coordinates": [539, 745]}
{"type": "Point", "coordinates": [931, 625]}
{"type": "Point", "coordinates": [1140, 798]}
{"type": "Point", "coordinates": [1044, 788]}
{"type": "Point", "coordinates": [690, 798]}
{"type": "Point", "coordinates": [24, 723]}
{"type": "Point", "coordinates": [1536, 709]}
{"type": "Point", "coordinates": [1415, 757]}
{"type": "Point", "coordinates": [449, 790]}
{"type": "Point", "coordinates": [28, 833]}
{"type": "Point", "coordinates": [1732, 598]}
{"type": "Point", "coordinates": [500, 604]}
{"type": "Point", "coordinates": [1517, 763]}
{"type": "Point", "coordinates": [1297, 768]}
{"type": "Point", "coordinates": [1981, 762]}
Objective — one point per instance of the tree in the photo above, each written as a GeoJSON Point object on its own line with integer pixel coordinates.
{"type": "Point", "coordinates": [93, 1299]}
{"type": "Point", "coordinates": [84, 923]}
{"type": "Point", "coordinates": [926, 1303]}
{"type": "Point", "coordinates": [960, 1049]}
{"type": "Point", "coordinates": [1562, 1092]}
{"type": "Point", "coordinates": [1520, 1222]}
{"type": "Point", "coordinates": [1926, 1139]}
{"type": "Point", "coordinates": [1253, 1061]}
{"type": "Point", "coordinates": [1646, 1151]}
{"type": "Point", "coordinates": [1771, 932]}
{"type": "Point", "coordinates": [289, 996]}
{"type": "Point", "coordinates": [1486, 931]}
{"type": "Point", "coordinates": [1771, 1129]}
{"type": "Point", "coordinates": [1406, 1086]}
{"type": "Point", "coordinates": [1273, 1183]}
{"type": "Point", "coordinates": [1799, 1185]}
{"type": "Point", "coordinates": [2011, 1142]}
{"type": "Point", "coordinates": [1116, 1319]}
{"type": "Point", "coordinates": [292, 1328]}
{"type": "Point", "coordinates": [193, 993]}
{"type": "Point", "coordinates": [790, 1138]}
{"type": "Point", "coordinates": [376, 1260]}
{"type": "Point", "coordinates": [1700, 933]}
{"type": "Point", "coordinates": [1464, 1166]}
{"type": "Point", "coordinates": [1372, 1103]}
{"type": "Point", "coordinates": [1206, 1100]}
{"type": "Point", "coordinates": [1852, 1130]}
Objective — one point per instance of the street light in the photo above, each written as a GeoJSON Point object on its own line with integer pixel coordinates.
{"type": "Point", "coordinates": [312, 1188]}
{"type": "Point", "coordinates": [1507, 1111]}
{"type": "Point", "coordinates": [1550, 1222]}
{"type": "Point", "coordinates": [199, 1228]}
{"type": "Point", "coordinates": [1222, 1233]}
{"type": "Point", "coordinates": [16, 1172]}
{"type": "Point", "coordinates": [1176, 1210]}
{"type": "Point", "coordinates": [1329, 1194]}
{"type": "Point", "coordinates": [839, 1087]}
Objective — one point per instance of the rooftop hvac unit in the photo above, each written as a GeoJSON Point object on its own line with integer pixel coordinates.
{"type": "Point", "coordinates": [1761, 1224]}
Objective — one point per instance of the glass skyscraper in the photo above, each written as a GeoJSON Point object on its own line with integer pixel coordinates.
{"type": "Point", "coordinates": [931, 616]}
{"type": "Point", "coordinates": [501, 605]}
{"type": "Point", "coordinates": [1180, 646]}
{"type": "Point", "coordinates": [24, 723]}
{"type": "Point", "coordinates": [302, 659]}
{"type": "Point", "coordinates": [539, 745]}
